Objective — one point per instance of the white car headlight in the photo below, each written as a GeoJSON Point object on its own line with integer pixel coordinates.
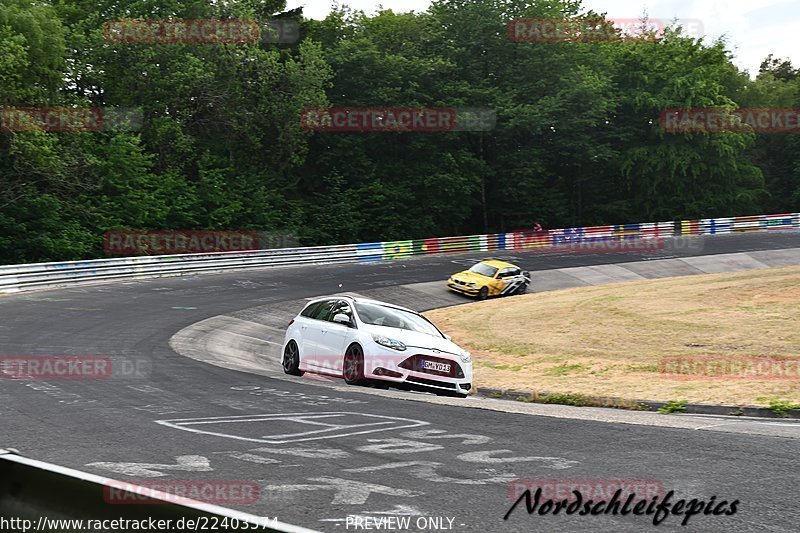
{"type": "Point", "coordinates": [389, 343]}
{"type": "Point", "coordinates": [466, 357]}
{"type": "Point", "coordinates": [472, 285]}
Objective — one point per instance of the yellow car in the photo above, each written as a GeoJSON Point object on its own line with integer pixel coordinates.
{"type": "Point", "coordinates": [490, 278]}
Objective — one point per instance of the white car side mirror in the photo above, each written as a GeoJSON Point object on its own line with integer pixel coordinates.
{"type": "Point", "coordinates": [341, 318]}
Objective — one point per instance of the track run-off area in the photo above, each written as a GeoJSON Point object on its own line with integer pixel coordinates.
{"type": "Point", "coordinates": [206, 399]}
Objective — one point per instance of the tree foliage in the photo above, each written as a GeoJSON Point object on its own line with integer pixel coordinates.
{"type": "Point", "coordinates": [221, 146]}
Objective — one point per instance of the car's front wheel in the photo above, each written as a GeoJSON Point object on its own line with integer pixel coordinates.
{"type": "Point", "coordinates": [291, 359]}
{"type": "Point", "coordinates": [353, 365]}
{"type": "Point", "coordinates": [483, 293]}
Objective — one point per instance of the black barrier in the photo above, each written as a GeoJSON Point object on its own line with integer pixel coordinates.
{"type": "Point", "coordinates": [37, 496]}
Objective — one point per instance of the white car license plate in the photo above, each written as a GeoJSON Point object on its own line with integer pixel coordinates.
{"type": "Point", "coordinates": [439, 367]}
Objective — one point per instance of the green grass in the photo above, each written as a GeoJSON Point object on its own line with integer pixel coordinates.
{"type": "Point", "coordinates": [673, 406]}
{"type": "Point", "coordinates": [567, 399]}
{"type": "Point", "coordinates": [564, 370]}
{"type": "Point", "coordinates": [782, 407]}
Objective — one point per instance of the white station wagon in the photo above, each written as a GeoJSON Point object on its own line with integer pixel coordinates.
{"type": "Point", "coordinates": [366, 341]}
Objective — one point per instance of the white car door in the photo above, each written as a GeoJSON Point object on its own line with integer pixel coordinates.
{"type": "Point", "coordinates": [337, 336]}
{"type": "Point", "coordinates": [512, 279]}
{"type": "Point", "coordinates": [312, 332]}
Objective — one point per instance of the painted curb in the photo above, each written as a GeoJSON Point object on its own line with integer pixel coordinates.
{"type": "Point", "coordinates": [633, 405]}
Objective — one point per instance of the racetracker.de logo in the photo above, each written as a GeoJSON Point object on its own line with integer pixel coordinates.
{"type": "Point", "coordinates": [759, 368]}
{"type": "Point", "coordinates": [568, 242]}
{"type": "Point", "coordinates": [556, 30]}
{"type": "Point", "coordinates": [181, 31]}
{"type": "Point", "coordinates": [348, 119]}
{"type": "Point", "coordinates": [68, 119]}
{"type": "Point", "coordinates": [165, 242]}
{"type": "Point", "coordinates": [610, 245]}
{"type": "Point", "coordinates": [73, 367]}
{"type": "Point", "coordinates": [147, 491]}
{"type": "Point", "coordinates": [707, 120]}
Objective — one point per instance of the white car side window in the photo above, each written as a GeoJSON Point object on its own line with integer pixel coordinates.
{"type": "Point", "coordinates": [342, 306]}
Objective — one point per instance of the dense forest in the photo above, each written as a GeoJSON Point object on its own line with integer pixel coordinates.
{"type": "Point", "coordinates": [221, 146]}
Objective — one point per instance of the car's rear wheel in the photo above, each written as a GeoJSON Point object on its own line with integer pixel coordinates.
{"type": "Point", "coordinates": [483, 293]}
{"type": "Point", "coordinates": [353, 365]}
{"type": "Point", "coordinates": [291, 359]}
{"type": "Point", "coordinates": [522, 289]}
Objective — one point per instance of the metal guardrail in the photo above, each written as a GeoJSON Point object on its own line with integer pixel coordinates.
{"type": "Point", "coordinates": [40, 496]}
{"type": "Point", "coordinates": [15, 278]}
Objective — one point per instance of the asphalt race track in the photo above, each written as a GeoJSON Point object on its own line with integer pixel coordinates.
{"type": "Point", "coordinates": [445, 466]}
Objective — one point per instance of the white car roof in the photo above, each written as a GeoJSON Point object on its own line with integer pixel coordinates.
{"type": "Point", "coordinates": [359, 299]}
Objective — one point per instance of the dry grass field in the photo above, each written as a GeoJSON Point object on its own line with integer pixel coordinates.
{"type": "Point", "coordinates": [610, 340]}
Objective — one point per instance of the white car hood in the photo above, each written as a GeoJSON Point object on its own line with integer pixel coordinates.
{"type": "Point", "coordinates": [415, 339]}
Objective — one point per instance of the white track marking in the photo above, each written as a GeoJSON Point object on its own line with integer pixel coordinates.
{"type": "Point", "coordinates": [398, 446]}
{"type": "Point", "coordinates": [399, 510]}
{"type": "Point", "coordinates": [442, 434]}
{"type": "Point", "coordinates": [717, 425]}
{"type": "Point", "coordinates": [557, 463]}
{"type": "Point", "coordinates": [145, 388]}
{"type": "Point", "coordinates": [185, 463]}
{"type": "Point", "coordinates": [164, 409]}
{"type": "Point", "coordinates": [302, 421]}
{"type": "Point", "coordinates": [426, 470]}
{"type": "Point", "coordinates": [309, 453]}
{"type": "Point", "coordinates": [347, 492]}
{"type": "Point", "coordinates": [251, 458]}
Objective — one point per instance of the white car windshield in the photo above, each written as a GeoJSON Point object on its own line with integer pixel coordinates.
{"type": "Point", "coordinates": [381, 315]}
